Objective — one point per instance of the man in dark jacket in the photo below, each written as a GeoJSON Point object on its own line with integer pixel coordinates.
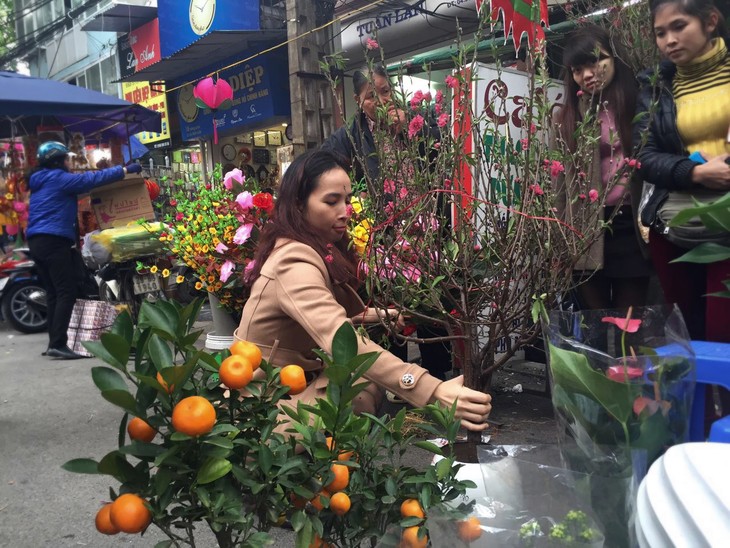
{"type": "Point", "coordinates": [52, 233]}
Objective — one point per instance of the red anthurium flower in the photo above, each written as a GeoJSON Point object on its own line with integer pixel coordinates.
{"type": "Point", "coordinates": [630, 326]}
{"type": "Point", "coordinates": [642, 403]}
{"type": "Point", "coordinates": [409, 330]}
{"type": "Point", "coordinates": [619, 373]}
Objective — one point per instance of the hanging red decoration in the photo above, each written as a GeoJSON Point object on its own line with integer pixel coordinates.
{"type": "Point", "coordinates": [519, 19]}
{"type": "Point", "coordinates": [215, 95]}
{"type": "Point", "coordinates": [153, 189]}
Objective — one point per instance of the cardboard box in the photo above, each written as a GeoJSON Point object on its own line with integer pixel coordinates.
{"type": "Point", "coordinates": [121, 203]}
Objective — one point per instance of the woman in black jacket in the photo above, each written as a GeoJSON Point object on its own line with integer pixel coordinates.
{"type": "Point", "coordinates": [684, 109]}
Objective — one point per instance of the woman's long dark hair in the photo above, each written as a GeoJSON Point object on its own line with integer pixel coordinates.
{"type": "Point", "coordinates": [361, 78]}
{"type": "Point", "coordinates": [300, 180]}
{"type": "Point", "coordinates": [581, 49]}
{"type": "Point", "coordinates": [702, 9]}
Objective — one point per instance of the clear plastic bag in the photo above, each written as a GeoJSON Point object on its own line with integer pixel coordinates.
{"type": "Point", "coordinates": [129, 242]}
{"type": "Point", "coordinates": [622, 392]}
{"type": "Point", "coordinates": [531, 501]}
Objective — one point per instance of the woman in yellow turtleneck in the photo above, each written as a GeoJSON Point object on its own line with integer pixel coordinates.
{"type": "Point", "coordinates": [690, 106]}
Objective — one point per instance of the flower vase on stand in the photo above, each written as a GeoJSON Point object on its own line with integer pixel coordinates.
{"type": "Point", "coordinates": [224, 325]}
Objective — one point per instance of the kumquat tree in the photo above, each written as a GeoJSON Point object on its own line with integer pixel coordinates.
{"type": "Point", "coordinates": [201, 442]}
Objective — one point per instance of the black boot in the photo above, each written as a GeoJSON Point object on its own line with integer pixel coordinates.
{"type": "Point", "coordinates": [64, 353]}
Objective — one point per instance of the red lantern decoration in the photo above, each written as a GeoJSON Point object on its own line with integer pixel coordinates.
{"type": "Point", "coordinates": [215, 95]}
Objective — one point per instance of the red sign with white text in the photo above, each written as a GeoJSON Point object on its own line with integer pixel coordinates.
{"type": "Point", "coordinates": [145, 44]}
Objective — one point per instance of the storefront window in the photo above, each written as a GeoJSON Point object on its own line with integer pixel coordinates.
{"type": "Point", "coordinates": [108, 74]}
{"type": "Point", "coordinates": [93, 78]}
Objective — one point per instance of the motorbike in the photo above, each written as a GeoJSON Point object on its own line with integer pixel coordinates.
{"type": "Point", "coordinates": [23, 300]}
{"type": "Point", "coordinates": [22, 296]}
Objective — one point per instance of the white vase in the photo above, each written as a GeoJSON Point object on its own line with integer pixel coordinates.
{"type": "Point", "coordinates": [223, 326]}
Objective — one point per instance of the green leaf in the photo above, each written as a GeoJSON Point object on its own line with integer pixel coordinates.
{"type": "Point", "coordinates": [107, 379]}
{"type": "Point", "coordinates": [165, 544]}
{"type": "Point", "coordinates": [344, 344]}
{"type": "Point", "coordinates": [213, 469]}
{"type": "Point", "coordinates": [705, 253]}
{"type": "Point", "coordinates": [266, 458]}
{"type": "Point", "coordinates": [113, 464]}
{"type": "Point", "coordinates": [337, 374]}
{"type": "Point", "coordinates": [160, 352]}
{"type": "Point", "coordinates": [121, 398]}
{"type": "Point", "coordinates": [82, 466]}
{"type": "Point", "coordinates": [572, 372]}
{"type": "Point", "coordinates": [225, 443]}
{"type": "Point", "coordinates": [430, 447]}
{"type": "Point", "coordinates": [117, 346]}
{"type": "Point", "coordinates": [140, 449]}
{"type": "Point", "coordinates": [442, 468]}
{"type": "Point", "coordinates": [154, 316]}
{"type": "Point", "coordinates": [98, 349]}
{"type": "Point", "coordinates": [123, 326]}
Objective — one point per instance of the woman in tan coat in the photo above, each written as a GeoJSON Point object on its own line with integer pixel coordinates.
{"type": "Point", "coordinates": [303, 290]}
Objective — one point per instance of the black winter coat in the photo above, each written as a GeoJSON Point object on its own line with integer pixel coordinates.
{"type": "Point", "coordinates": [340, 143]}
{"type": "Point", "coordinates": [664, 158]}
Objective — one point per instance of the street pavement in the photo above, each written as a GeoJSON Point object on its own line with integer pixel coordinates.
{"type": "Point", "coordinates": [51, 412]}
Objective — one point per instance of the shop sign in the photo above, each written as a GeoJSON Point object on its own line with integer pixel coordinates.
{"type": "Point", "coordinates": [400, 30]}
{"type": "Point", "coordinates": [259, 92]}
{"type": "Point", "coordinates": [184, 22]}
{"type": "Point", "coordinates": [139, 48]}
{"type": "Point", "coordinates": [155, 99]}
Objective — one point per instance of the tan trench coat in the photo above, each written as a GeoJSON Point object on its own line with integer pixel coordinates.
{"type": "Point", "coordinates": [294, 307]}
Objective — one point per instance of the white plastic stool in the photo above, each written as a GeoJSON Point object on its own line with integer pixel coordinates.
{"type": "Point", "coordinates": [684, 500]}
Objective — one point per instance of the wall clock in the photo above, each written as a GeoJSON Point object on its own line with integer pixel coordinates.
{"type": "Point", "coordinates": [186, 103]}
{"type": "Point", "coordinates": [289, 132]}
{"type": "Point", "coordinates": [202, 13]}
{"type": "Point", "coordinates": [229, 152]}
{"type": "Point", "coordinates": [274, 138]}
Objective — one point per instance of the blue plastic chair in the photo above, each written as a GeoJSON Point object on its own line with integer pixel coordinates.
{"type": "Point", "coordinates": [713, 367]}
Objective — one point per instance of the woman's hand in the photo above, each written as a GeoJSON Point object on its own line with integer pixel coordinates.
{"type": "Point", "coordinates": [472, 407]}
{"type": "Point", "coordinates": [714, 174]}
{"type": "Point", "coordinates": [396, 119]}
{"type": "Point", "coordinates": [393, 317]}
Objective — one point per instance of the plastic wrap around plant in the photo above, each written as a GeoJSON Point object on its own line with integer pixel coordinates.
{"type": "Point", "coordinates": [622, 386]}
{"type": "Point", "coordinates": [531, 501]}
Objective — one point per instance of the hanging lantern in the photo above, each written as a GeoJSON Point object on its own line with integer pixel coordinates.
{"type": "Point", "coordinates": [215, 95]}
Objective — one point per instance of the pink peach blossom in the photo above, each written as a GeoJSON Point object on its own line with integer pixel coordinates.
{"type": "Point", "coordinates": [243, 234]}
{"type": "Point", "coordinates": [371, 44]}
{"type": "Point", "coordinates": [226, 270]}
{"type": "Point", "coordinates": [593, 195]}
{"type": "Point", "coordinates": [389, 186]}
{"type": "Point", "coordinates": [245, 200]}
{"type": "Point", "coordinates": [443, 120]}
{"type": "Point", "coordinates": [233, 175]}
{"type": "Point", "coordinates": [415, 126]}
{"type": "Point", "coordinates": [452, 82]}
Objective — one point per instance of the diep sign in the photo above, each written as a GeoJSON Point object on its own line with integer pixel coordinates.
{"type": "Point", "coordinates": [259, 94]}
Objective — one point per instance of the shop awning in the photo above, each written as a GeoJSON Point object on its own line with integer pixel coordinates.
{"type": "Point", "coordinates": [205, 52]}
{"type": "Point", "coordinates": [496, 44]}
{"type": "Point", "coordinates": [120, 17]}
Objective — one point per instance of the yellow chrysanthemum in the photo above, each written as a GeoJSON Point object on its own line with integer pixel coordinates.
{"type": "Point", "coordinates": [180, 279]}
{"type": "Point", "coordinates": [206, 248]}
{"type": "Point", "coordinates": [198, 286]}
{"type": "Point", "coordinates": [356, 205]}
{"type": "Point", "coordinates": [154, 269]}
{"type": "Point", "coordinates": [211, 279]}
{"type": "Point", "coordinates": [213, 230]}
{"type": "Point", "coordinates": [165, 273]}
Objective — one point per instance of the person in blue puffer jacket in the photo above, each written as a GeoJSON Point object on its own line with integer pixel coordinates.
{"type": "Point", "coordinates": [52, 233]}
